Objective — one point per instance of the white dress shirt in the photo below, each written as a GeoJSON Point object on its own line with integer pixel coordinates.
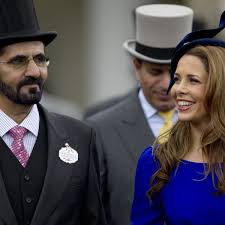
{"type": "Point", "coordinates": [31, 123]}
{"type": "Point", "coordinates": [155, 121]}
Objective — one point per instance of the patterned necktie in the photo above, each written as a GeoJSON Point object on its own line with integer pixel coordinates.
{"type": "Point", "coordinates": [17, 147]}
{"type": "Point", "coordinates": [168, 123]}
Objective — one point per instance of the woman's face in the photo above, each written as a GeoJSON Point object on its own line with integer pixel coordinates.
{"type": "Point", "coordinates": [189, 90]}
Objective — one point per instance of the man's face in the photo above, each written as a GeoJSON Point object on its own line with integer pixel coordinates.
{"type": "Point", "coordinates": [154, 81]}
{"type": "Point", "coordinates": [22, 72]}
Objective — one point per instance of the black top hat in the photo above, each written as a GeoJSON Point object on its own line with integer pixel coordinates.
{"type": "Point", "coordinates": [18, 23]}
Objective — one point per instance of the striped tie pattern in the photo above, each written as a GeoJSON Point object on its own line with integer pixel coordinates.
{"type": "Point", "coordinates": [17, 147]}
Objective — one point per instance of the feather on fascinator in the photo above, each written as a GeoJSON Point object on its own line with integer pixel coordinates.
{"type": "Point", "coordinates": [200, 37]}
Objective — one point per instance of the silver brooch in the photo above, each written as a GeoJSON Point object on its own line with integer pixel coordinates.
{"type": "Point", "coordinates": [68, 154]}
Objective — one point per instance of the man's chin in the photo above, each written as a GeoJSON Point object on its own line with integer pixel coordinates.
{"type": "Point", "coordinates": [29, 99]}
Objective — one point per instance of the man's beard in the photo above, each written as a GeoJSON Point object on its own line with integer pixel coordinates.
{"type": "Point", "coordinates": [33, 97]}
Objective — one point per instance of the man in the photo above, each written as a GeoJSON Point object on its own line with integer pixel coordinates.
{"type": "Point", "coordinates": [125, 129]}
{"type": "Point", "coordinates": [48, 164]}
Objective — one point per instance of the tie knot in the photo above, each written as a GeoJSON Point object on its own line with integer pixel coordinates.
{"type": "Point", "coordinates": [167, 116]}
{"type": "Point", "coordinates": [17, 132]}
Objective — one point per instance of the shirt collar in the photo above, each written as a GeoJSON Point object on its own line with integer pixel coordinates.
{"type": "Point", "coordinates": [149, 111]}
{"type": "Point", "coordinates": [31, 122]}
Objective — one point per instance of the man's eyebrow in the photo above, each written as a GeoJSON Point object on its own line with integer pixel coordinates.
{"type": "Point", "coordinates": [24, 55]}
{"type": "Point", "coordinates": [18, 55]}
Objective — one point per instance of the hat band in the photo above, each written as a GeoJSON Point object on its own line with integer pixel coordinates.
{"type": "Point", "coordinates": [156, 53]}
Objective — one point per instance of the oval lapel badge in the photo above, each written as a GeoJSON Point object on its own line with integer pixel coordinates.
{"type": "Point", "coordinates": [68, 154]}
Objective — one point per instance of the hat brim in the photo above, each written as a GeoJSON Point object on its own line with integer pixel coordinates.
{"type": "Point", "coordinates": [130, 45]}
{"type": "Point", "coordinates": [45, 37]}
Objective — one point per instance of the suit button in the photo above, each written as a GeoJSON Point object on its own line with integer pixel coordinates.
{"type": "Point", "coordinates": [28, 200]}
{"type": "Point", "coordinates": [26, 177]}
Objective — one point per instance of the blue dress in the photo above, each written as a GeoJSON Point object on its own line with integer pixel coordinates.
{"type": "Point", "coordinates": [187, 199]}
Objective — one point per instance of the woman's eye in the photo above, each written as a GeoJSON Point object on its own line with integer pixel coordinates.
{"type": "Point", "coordinates": [194, 80]}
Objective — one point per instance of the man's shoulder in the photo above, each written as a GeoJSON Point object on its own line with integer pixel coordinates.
{"type": "Point", "coordinates": [66, 122]}
{"type": "Point", "coordinates": [116, 111]}
{"type": "Point", "coordinates": [57, 117]}
{"type": "Point", "coordinates": [102, 105]}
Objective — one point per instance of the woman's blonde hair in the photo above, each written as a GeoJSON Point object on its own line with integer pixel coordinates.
{"type": "Point", "coordinates": [169, 154]}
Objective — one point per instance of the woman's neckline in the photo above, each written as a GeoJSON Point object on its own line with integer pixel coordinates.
{"type": "Point", "coordinates": [193, 162]}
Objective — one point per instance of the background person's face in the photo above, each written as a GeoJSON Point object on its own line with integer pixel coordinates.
{"type": "Point", "coordinates": [22, 85]}
{"type": "Point", "coordinates": [154, 80]}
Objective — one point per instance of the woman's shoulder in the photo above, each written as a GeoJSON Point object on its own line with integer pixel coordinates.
{"type": "Point", "coordinates": [147, 154]}
{"type": "Point", "coordinates": [147, 160]}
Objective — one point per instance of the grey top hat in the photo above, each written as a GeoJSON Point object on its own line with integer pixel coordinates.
{"type": "Point", "coordinates": [159, 28]}
{"type": "Point", "coordinates": [18, 23]}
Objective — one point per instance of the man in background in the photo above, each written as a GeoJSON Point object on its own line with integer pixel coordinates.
{"type": "Point", "coordinates": [125, 129]}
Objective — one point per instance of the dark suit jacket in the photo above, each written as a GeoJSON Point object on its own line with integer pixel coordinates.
{"type": "Point", "coordinates": [92, 110]}
{"type": "Point", "coordinates": [70, 194]}
{"type": "Point", "coordinates": [122, 134]}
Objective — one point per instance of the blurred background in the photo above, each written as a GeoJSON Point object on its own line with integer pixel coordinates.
{"type": "Point", "coordinates": [88, 63]}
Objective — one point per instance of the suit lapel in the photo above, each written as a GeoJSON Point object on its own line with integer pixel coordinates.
{"type": "Point", "coordinates": [133, 127]}
{"type": "Point", "coordinates": [57, 171]}
{"type": "Point", "coordinates": [6, 211]}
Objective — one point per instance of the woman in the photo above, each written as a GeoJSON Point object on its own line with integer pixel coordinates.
{"type": "Point", "coordinates": [182, 181]}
